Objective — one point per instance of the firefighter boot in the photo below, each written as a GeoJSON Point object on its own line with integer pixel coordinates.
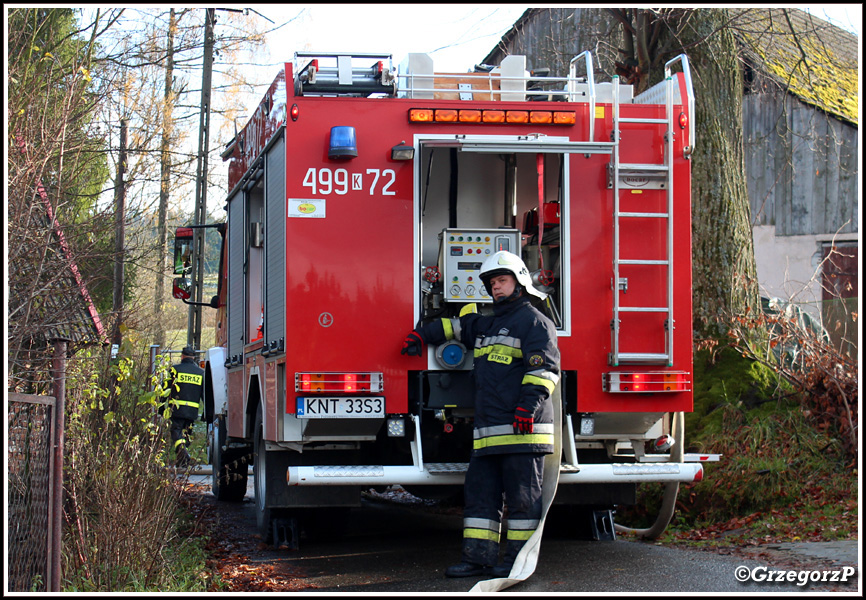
{"type": "Point", "coordinates": [465, 569]}
{"type": "Point", "coordinates": [501, 571]}
{"type": "Point", "coordinates": [475, 557]}
{"type": "Point", "coordinates": [512, 549]}
{"type": "Point", "coordinates": [184, 461]}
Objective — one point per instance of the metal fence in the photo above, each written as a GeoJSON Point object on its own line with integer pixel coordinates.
{"type": "Point", "coordinates": [31, 492]}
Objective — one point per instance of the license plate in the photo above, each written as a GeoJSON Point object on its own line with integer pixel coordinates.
{"type": "Point", "coordinates": [340, 408]}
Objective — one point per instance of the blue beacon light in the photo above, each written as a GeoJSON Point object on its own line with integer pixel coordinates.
{"type": "Point", "coordinates": [343, 143]}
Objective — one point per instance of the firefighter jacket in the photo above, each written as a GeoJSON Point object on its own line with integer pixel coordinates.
{"type": "Point", "coordinates": [187, 387]}
{"type": "Point", "coordinates": [516, 364]}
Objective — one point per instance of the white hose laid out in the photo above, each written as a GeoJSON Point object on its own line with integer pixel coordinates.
{"type": "Point", "coordinates": [666, 512]}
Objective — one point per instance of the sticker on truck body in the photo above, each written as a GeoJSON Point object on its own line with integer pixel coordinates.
{"type": "Point", "coordinates": [312, 208]}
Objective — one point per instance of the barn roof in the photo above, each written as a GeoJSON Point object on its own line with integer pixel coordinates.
{"type": "Point", "coordinates": [819, 65]}
{"type": "Point", "coordinates": [811, 58]}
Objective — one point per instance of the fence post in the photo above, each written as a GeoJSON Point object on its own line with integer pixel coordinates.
{"type": "Point", "coordinates": [59, 377]}
{"type": "Point", "coordinates": [154, 352]}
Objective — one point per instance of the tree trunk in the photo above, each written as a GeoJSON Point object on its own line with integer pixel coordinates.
{"type": "Point", "coordinates": [119, 235]}
{"type": "Point", "coordinates": [165, 175]}
{"type": "Point", "coordinates": [724, 271]}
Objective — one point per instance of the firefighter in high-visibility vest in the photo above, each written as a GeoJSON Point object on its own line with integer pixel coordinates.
{"type": "Point", "coordinates": [187, 390]}
{"type": "Point", "coordinates": [516, 371]}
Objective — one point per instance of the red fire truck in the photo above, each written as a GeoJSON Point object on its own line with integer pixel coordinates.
{"type": "Point", "coordinates": [363, 200]}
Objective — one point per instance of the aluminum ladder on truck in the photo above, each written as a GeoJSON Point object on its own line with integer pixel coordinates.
{"type": "Point", "coordinates": [659, 176]}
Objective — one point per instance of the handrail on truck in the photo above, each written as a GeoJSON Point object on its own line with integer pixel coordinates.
{"type": "Point", "coordinates": [684, 60]}
{"type": "Point", "coordinates": [590, 80]}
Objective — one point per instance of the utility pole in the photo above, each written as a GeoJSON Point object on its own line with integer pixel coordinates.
{"type": "Point", "coordinates": [194, 321]}
{"type": "Point", "coordinates": [119, 215]}
{"type": "Point", "coordinates": [165, 175]}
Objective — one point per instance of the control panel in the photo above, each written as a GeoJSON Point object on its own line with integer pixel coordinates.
{"type": "Point", "coordinates": [462, 252]}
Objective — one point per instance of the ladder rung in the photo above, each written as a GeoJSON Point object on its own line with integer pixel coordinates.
{"type": "Point", "coordinates": [643, 309]}
{"type": "Point", "coordinates": [636, 167]}
{"type": "Point", "coordinates": [641, 357]}
{"type": "Point", "coordinates": [639, 120]}
{"type": "Point", "coordinates": [644, 262]}
{"type": "Point", "coordinates": [643, 214]}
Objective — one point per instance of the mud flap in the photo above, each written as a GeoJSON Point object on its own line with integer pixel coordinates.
{"type": "Point", "coordinates": [527, 558]}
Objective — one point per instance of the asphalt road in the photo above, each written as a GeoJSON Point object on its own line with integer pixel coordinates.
{"type": "Point", "coordinates": [402, 548]}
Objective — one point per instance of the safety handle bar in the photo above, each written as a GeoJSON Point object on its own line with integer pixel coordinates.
{"type": "Point", "coordinates": [687, 74]}
{"type": "Point", "coordinates": [590, 80]}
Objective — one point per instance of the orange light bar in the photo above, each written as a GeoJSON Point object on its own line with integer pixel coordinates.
{"type": "Point", "coordinates": [539, 116]}
{"type": "Point", "coordinates": [445, 115]}
{"type": "Point", "coordinates": [493, 116]}
{"type": "Point", "coordinates": [341, 383]}
{"type": "Point", "coordinates": [470, 116]}
{"type": "Point", "coordinates": [564, 118]}
{"type": "Point", "coordinates": [517, 116]}
{"type": "Point", "coordinates": [648, 382]}
{"type": "Point", "coordinates": [465, 115]}
{"type": "Point", "coordinates": [421, 115]}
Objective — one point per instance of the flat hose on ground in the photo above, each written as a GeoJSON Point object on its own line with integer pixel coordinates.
{"type": "Point", "coordinates": [527, 558]}
{"type": "Point", "coordinates": [666, 512]}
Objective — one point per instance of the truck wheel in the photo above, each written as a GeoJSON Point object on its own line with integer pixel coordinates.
{"type": "Point", "coordinates": [229, 473]}
{"type": "Point", "coordinates": [264, 516]}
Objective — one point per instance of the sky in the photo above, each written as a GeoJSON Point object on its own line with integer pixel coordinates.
{"type": "Point", "coordinates": [456, 36]}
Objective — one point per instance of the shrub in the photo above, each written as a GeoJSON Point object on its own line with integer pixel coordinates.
{"type": "Point", "coordinates": [824, 377]}
{"type": "Point", "coordinates": [122, 504]}
{"type": "Point", "coordinates": [779, 403]}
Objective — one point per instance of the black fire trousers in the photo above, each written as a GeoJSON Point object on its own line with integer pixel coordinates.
{"type": "Point", "coordinates": [494, 479]}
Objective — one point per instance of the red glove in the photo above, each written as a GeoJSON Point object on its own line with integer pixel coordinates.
{"type": "Point", "coordinates": [522, 421]}
{"type": "Point", "coordinates": [413, 344]}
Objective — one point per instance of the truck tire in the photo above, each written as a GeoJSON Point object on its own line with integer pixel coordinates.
{"type": "Point", "coordinates": [229, 473]}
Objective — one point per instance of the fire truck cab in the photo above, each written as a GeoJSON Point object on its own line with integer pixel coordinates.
{"type": "Point", "coordinates": [363, 199]}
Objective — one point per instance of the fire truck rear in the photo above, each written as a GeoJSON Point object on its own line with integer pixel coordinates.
{"type": "Point", "coordinates": [363, 200]}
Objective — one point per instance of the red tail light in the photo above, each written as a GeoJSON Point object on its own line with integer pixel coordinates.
{"type": "Point", "coordinates": [338, 383]}
{"type": "Point", "coordinates": [650, 381]}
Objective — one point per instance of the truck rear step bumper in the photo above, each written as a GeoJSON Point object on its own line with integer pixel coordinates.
{"type": "Point", "coordinates": [453, 474]}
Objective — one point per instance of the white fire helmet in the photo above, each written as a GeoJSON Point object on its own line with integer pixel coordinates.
{"type": "Point", "coordinates": [503, 263]}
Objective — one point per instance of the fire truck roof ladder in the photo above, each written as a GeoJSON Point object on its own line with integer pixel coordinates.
{"type": "Point", "coordinates": [334, 74]}
{"type": "Point", "coordinates": [653, 176]}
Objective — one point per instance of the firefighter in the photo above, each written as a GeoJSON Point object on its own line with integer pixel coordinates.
{"type": "Point", "coordinates": [187, 386]}
{"type": "Point", "coordinates": [516, 371]}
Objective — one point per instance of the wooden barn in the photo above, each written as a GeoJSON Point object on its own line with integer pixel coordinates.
{"type": "Point", "coordinates": [800, 134]}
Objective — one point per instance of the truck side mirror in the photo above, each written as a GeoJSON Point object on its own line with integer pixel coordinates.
{"type": "Point", "coordinates": [180, 288]}
{"type": "Point", "coordinates": [182, 250]}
